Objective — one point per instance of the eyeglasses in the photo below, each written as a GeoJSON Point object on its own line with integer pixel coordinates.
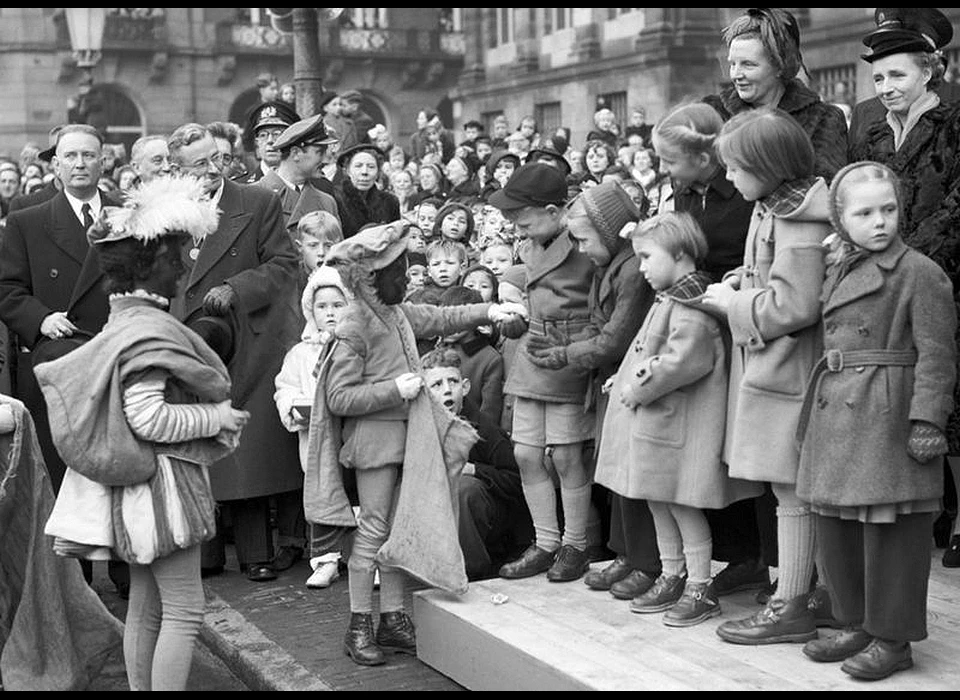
{"type": "Point", "coordinates": [268, 134]}
{"type": "Point", "coordinates": [217, 160]}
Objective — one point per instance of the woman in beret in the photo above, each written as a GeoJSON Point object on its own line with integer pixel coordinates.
{"type": "Point", "coordinates": [359, 199]}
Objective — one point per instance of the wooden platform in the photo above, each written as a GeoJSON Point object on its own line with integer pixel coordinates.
{"type": "Point", "coordinates": [564, 636]}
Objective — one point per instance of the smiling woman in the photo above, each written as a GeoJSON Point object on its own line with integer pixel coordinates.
{"type": "Point", "coordinates": [920, 141]}
{"type": "Point", "coordinates": [763, 57]}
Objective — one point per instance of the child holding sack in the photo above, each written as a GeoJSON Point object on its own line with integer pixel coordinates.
{"type": "Point", "coordinates": [887, 377]}
{"type": "Point", "coordinates": [139, 412]}
{"type": "Point", "coordinates": [663, 432]}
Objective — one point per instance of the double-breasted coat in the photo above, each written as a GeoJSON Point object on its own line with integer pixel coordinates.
{"type": "Point", "coordinates": [558, 283]}
{"type": "Point", "coordinates": [251, 252]}
{"type": "Point", "coordinates": [45, 266]}
{"type": "Point", "coordinates": [854, 450]}
{"type": "Point", "coordinates": [668, 448]}
{"type": "Point", "coordinates": [774, 324]}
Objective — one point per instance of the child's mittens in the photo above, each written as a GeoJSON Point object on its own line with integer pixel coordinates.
{"type": "Point", "coordinates": [513, 328]}
{"type": "Point", "coordinates": [548, 351]}
{"type": "Point", "coordinates": [926, 442]}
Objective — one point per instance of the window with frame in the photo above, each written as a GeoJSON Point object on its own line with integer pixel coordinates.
{"type": "Point", "coordinates": [614, 12]}
{"type": "Point", "coordinates": [548, 116]}
{"type": "Point", "coordinates": [836, 83]}
{"type": "Point", "coordinates": [503, 33]}
{"type": "Point", "coordinates": [556, 19]}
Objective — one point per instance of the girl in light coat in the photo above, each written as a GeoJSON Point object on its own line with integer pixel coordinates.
{"type": "Point", "coordinates": [663, 432]}
{"type": "Point", "coordinates": [772, 306]}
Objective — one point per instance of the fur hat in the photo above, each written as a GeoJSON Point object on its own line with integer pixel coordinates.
{"type": "Point", "coordinates": [374, 247]}
{"type": "Point", "coordinates": [164, 206]}
{"type": "Point", "coordinates": [609, 209]}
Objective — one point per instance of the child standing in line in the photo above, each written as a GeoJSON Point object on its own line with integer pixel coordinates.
{"type": "Point", "coordinates": [663, 434]}
{"type": "Point", "coordinates": [772, 306]}
{"type": "Point", "coordinates": [887, 377]}
{"type": "Point", "coordinates": [323, 302]}
{"type": "Point", "coordinates": [550, 421]}
{"type": "Point", "coordinates": [497, 255]}
{"type": "Point", "coordinates": [685, 140]}
{"type": "Point", "coordinates": [618, 301]}
{"type": "Point", "coordinates": [446, 263]}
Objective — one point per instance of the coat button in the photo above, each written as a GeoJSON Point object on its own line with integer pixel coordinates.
{"type": "Point", "coordinates": [863, 331]}
{"type": "Point", "coordinates": [859, 369]}
{"type": "Point", "coordinates": [849, 403]}
{"type": "Point", "coordinates": [830, 328]}
{"type": "Point", "coordinates": [191, 295]}
{"type": "Point", "coordinates": [751, 340]}
{"type": "Point", "coordinates": [821, 402]}
{"type": "Point", "coordinates": [54, 273]}
{"type": "Point", "coordinates": [233, 252]}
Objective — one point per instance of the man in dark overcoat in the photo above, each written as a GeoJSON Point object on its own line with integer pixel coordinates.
{"type": "Point", "coordinates": [243, 277]}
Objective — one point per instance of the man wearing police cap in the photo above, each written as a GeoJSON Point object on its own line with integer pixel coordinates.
{"type": "Point", "coordinates": [264, 126]}
{"type": "Point", "coordinates": [304, 147]}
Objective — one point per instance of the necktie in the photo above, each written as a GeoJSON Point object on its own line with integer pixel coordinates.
{"type": "Point", "coordinates": [87, 216]}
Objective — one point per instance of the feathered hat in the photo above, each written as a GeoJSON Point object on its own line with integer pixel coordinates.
{"type": "Point", "coordinates": [162, 207]}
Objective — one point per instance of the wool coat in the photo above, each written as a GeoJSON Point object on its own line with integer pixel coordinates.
{"type": "Point", "coordinates": [46, 265]}
{"type": "Point", "coordinates": [668, 448]}
{"type": "Point", "coordinates": [854, 451]}
{"type": "Point", "coordinates": [251, 251]}
{"type": "Point", "coordinates": [558, 284]}
{"type": "Point", "coordinates": [774, 323]}
{"type": "Point", "coordinates": [824, 123]}
{"type": "Point", "coordinates": [928, 165]}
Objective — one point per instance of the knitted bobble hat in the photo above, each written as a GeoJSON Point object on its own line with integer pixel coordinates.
{"type": "Point", "coordinates": [609, 209]}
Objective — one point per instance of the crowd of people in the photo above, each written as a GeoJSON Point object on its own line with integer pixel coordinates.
{"type": "Point", "coordinates": [507, 355]}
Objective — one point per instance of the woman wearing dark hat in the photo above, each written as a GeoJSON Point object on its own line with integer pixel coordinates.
{"type": "Point", "coordinates": [763, 54]}
{"type": "Point", "coordinates": [432, 184]}
{"type": "Point", "coordinates": [359, 199]}
{"type": "Point", "coordinates": [920, 141]}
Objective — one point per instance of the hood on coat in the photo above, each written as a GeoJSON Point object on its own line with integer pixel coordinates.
{"type": "Point", "coordinates": [815, 205]}
{"type": "Point", "coordinates": [323, 276]}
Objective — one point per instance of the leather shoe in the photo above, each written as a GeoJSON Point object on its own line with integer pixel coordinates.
{"type": "Point", "coordinates": [261, 572]}
{"type": "Point", "coordinates": [359, 642]}
{"type": "Point", "coordinates": [779, 621]}
{"type": "Point", "coordinates": [571, 564]}
{"type": "Point", "coordinates": [848, 642]}
{"type": "Point", "coordinates": [742, 576]}
{"type": "Point", "coordinates": [951, 557]}
{"type": "Point", "coordinates": [819, 602]}
{"type": "Point", "coordinates": [602, 579]}
{"type": "Point", "coordinates": [532, 562]}
{"type": "Point", "coordinates": [396, 633]}
{"type": "Point", "coordinates": [635, 584]}
{"type": "Point", "coordinates": [208, 571]}
{"type": "Point", "coordinates": [879, 660]}
{"type": "Point", "coordinates": [287, 556]}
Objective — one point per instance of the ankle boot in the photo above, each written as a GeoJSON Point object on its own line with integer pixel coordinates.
{"type": "Point", "coordinates": [396, 633]}
{"type": "Point", "coordinates": [359, 642]}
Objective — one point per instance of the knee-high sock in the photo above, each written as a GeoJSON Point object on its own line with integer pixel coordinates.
{"type": "Point", "coordinates": [697, 556]}
{"type": "Point", "coordinates": [669, 540]}
{"type": "Point", "coordinates": [795, 540]}
{"type": "Point", "coordinates": [541, 499]}
{"type": "Point", "coordinates": [576, 509]}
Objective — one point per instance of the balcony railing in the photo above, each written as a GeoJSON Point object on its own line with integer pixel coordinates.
{"type": "Point", "coordinates": [413, 42]}
{"type": "Point", "coordinates": [123, 32]}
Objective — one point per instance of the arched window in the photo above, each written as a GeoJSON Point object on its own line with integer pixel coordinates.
{"type": "Point", "coordinates": [110, 109]}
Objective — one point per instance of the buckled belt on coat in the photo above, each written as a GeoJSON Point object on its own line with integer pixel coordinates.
{"type": "Point", "coordinates": [539, 326]}
{"type": "Point", "coordinates": [836, 361]}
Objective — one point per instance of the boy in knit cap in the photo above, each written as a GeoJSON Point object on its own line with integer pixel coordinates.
{"type": "Point", "coordinates": [618, 302]}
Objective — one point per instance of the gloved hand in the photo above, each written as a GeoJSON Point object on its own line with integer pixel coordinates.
{"type": "Point", "coordinates": [513, 327]}
{"type": "Point", "coordinates": [548, 351]}
{"type": "Point", "coordinates": [219, 300]}
{"type": "Point", "coordinates": [926, 442]}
